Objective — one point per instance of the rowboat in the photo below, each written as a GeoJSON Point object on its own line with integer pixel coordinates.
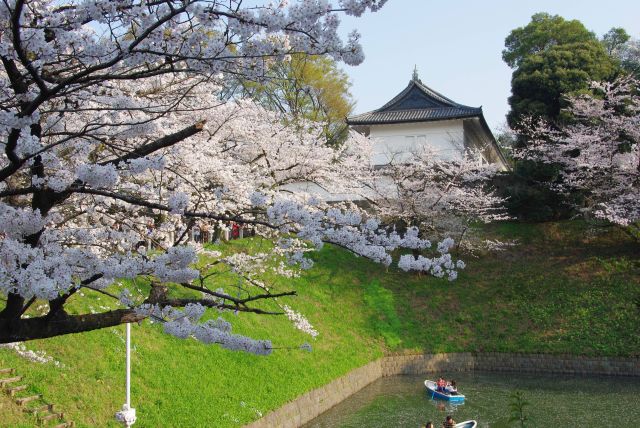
{"type": "Point", "coordinates": [454, 397]}
{"type": "Point", "coordinates": [467, 424]}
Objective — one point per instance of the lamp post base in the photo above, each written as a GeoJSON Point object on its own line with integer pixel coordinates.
{"type": "Point", "coordinates": [127, 415]}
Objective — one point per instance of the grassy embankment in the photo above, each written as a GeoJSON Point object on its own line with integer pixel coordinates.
{"type": "Point", "coordinates": [564, 289]}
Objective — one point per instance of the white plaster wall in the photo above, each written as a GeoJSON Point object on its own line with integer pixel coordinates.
{"type": "Point", "coordinates": [445, 137]}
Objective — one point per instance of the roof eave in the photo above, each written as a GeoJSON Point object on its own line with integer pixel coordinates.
{"type": "Point", "coordinates": [494, 142]}
{"type": "Point", "coordinates": [393, 121]}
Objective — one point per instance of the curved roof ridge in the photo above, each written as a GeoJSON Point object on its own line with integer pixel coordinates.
{"type": "Point", "coordinates": [416, 103]}
{"type": "Point", "coordinates": [437, 94]}
{"type": "Point", "coordinates": [433, 95]}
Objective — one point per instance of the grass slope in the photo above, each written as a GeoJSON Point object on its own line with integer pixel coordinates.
{"type": "Point", "coordinates": [565, 289]}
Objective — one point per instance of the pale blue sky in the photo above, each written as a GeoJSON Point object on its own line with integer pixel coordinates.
{"type": "Point", "coordinates": [457, 46]}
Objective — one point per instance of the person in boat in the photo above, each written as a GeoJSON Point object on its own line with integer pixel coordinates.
{"type": "Point", "coordinates": [449, 422]}
{"type": "Point", "coordinates": [451, 387]}
{"type": "Point", "coordinates": [441, 384]}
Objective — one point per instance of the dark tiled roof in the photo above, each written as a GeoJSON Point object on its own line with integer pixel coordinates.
{"type": "Point", "coordinates": [422, 115]}
{"type": "Point", "coordinates": [416, 103]}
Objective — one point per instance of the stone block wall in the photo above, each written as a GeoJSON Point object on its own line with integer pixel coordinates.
{"type": "Point", "coordinates": [393, 365]}
{"type": "Point", "coordinates": [306, 407]}
{"type": "Point", "coordinates": [561, 364]}
{"type": "Point", "coordinates": [495, 361]}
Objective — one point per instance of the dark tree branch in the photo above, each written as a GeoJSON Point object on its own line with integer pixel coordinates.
{"type": "Point", "coordinates": [17, 44]}
{"type": "Point", "coordinates": [45, 326]}
{"type": "Point", "coordinates": [22, 329]}
{"type": "Point", "coordinates": [57, 305]}
{"type": "Point", "coordinates": [29, 303]}
{"type": "Point", "coordinates": [212, 304]}
{"type": "Point", "coordinates": [13, 308]}
{"type": "Point", "coordinates": [17, 192]}
{"type": "Point", "coordinates": [143, 203]}
{"type": "Point", "coordinates": [166, 141]}
{"type": "Point", "coordinates": [235, 300]}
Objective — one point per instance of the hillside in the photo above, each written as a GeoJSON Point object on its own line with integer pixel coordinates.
{"type": "Point", "coordinates": [566, 288]}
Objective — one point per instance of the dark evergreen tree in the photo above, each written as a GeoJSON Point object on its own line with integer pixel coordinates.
{"type": "Point", "coordinates": [552, 58]}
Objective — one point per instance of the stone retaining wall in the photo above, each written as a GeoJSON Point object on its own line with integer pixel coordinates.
{"type": "Point", "coordinates": [495, 361]}
{"type": "Point", "coordinates": [306, 407]}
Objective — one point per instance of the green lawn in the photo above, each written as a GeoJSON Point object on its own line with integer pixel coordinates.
{"type": "Point", "coordinates": [565, 289]}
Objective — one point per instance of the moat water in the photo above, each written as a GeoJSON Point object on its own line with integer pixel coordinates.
{"type": "Point", "coordinates": [554, 401]}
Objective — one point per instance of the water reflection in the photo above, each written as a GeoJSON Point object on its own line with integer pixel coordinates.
{"type": "Point", "coordinates": [445, 406]}
{"type": "Point", "coordinates": [566, 401]}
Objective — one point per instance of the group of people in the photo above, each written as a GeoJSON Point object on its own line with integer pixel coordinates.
{"type": "Point", "coordinates": [203, 233]}
{"type": "Point", "coordinates": [448, 423]}
{"type": "Point", "coordinates": [200, 232]}
{"type": "Point", "coordinates": [446, 386]}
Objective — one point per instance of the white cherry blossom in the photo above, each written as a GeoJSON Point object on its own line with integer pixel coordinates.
{"type": "Point", "coordinates": [116, 145]}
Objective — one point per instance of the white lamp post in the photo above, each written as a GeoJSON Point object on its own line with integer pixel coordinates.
{"type": "Point", "coordinates": [127, 415]}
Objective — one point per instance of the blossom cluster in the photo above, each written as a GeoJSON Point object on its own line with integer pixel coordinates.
{"type": "Point", "coordinates": [598, 152]}
{"type": "Point", "coordinates": [438, 194]}
{"type": "Point", "coordinates": [299, 321]}
{"type": "Point", "coordinates": [31, 355]}
{"type": "Point", "coordinates": [185, 323]}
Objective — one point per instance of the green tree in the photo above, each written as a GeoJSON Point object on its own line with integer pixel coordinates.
{"type": "Point", "coordinates": [614, 39]}
{"type": "Point", "coordinates": [552, 58]}
{"type": "Point", "coordinates": [623, 49]}
{"type": "Point", "coordinates": [307, 87]}
{"type": "Point", "coordinates": [629, 56]}
{"type": "Point", "coordinates": [543, 32]}
{"type": "Point", "coordinates": [542, 82]}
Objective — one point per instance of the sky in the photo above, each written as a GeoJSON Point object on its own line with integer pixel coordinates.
{"type": "Point", "coordinates": [457, 46]}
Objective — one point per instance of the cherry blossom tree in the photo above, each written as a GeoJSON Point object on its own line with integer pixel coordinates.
{"type": "Point", "coordinates": [113, 135]}
{"type": "Point", "coordinates": [598, 153]}
{"type": "Point", "coordinates": [442, 197]}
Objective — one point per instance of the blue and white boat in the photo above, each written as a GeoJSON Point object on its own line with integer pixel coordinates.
{"type": "Point", "coordinates": [467, 424]}
{"type": "Point", "coordinates": [454, 397]}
